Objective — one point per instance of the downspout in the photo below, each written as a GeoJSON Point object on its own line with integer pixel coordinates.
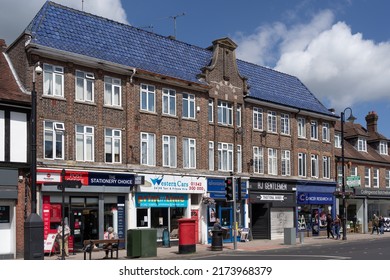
{"type": "Point", "coordinates": [133, 70]}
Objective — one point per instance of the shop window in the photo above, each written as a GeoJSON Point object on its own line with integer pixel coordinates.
{"type": "Point", "coordinates": [142, 217]}
{"type": "Point", "coordinates": [110, 216]}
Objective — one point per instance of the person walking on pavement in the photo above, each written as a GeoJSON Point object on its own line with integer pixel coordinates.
{"type": "Point", "coordinates": [381, 224]}
{"type": "Point", "coordinates": [329, 225]}
{"type": "Point", "coordinates": [337, 224]}
{"type": "Point", "coordinates": [375, 224]}
{"type": "Point", "coordinates": [65, 238]}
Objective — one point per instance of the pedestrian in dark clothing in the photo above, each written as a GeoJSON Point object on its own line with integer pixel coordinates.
{"type": "Point", "coordinates": [329, 225]}
{"type": "Point", "coordinates": [375, 224]}
{"type": "Point", "coordinates": [381, 224]}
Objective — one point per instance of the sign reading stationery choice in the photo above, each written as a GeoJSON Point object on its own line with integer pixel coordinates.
{"type": "Point", "coordinates": [110, 179]}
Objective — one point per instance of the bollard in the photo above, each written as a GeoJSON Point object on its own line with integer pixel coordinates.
{"type": "Point", "coordinates": [301, 236]}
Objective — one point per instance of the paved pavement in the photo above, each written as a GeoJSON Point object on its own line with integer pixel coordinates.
{"type": "Point", "coordinates": [205, 249]}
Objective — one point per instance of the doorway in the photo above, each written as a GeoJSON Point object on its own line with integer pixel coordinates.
{"type": "Point", "coordinates": [226, 214]}
{"type": "Point", "coordinates": [84, 219]}
{"type": "Point", "coordinates": [260, 221]}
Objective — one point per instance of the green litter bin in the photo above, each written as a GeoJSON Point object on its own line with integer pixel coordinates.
{"type": "Point", "coordinates": [141, 243]}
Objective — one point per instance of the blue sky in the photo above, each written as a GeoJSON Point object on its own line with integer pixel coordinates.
{"type": "Point", "coordinates": [340, 49]}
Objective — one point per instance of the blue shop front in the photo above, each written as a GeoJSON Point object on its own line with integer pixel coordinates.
{"type": "Point", "coordinates": [222, 209]}
{"type": "Point", "coordinates": [314, 201]}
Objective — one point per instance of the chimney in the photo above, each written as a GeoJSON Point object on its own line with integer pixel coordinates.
{"type": "Point", "coordinates": [3, 45]}
{"type": "Point", "coordinates": [372, 122]}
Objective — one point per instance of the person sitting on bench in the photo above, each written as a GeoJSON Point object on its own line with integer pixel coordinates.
{"type": "Point", "coordinates": [109, 234]}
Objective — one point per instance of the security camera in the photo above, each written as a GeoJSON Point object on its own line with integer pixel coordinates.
{"type": "Point", "coordinates": [38, 69]}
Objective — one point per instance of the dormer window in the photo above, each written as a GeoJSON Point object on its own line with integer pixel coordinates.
{"type": "Point", "coordinates": [362, 145]}
{"type": "Point", "coordinates": [383, 149]}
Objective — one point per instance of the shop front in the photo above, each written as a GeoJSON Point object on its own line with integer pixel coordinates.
{"type": "Point", "coordinates": [362, 206]}
{"type": "Point", "coordinates": [272, 207]}
{"type": "Point", "coordinates": [8, 199]}
{"type": "Point", "coordinates": [314, 201]}
{"type": "Point", "coordinates": [88, 211]}
{"type": "Point", "coordinates": [164, 199]}
{"type": "Point", "coordinates": [222, 209]}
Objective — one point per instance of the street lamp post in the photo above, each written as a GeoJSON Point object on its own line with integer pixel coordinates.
{"type": "Point", "coordinates": [350, 118]}
{"type": "Point", "coordinates": [33, 226]}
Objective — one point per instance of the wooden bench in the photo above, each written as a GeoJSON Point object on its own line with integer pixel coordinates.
{"type": "Point", "coordinates": [93, 246]}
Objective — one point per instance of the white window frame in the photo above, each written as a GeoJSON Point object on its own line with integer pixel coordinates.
{"type": "Point", "coordinates": [337, 140]}
{"type": "Point", "coordinates": [2, 135]}
{"type": "Point", "coordinates": [148, 149]}
{"type": "Point", "coordinates": [169, 102]}
{"type": "Point", "coordinates": [326, 167]}
{"type": "Point", "coordinates": [211, 155]}
{"type": "Point", "coordinates": [258, 160]}
{"type": "Point", "coordinates": [272, 161]}
{"type": "Point", "coordinates": [211, 111]}
{"type": "Point", "coordinates": [258, 119]}
{"type": "Point", "coordinates": [383, 148]}
{"type": "Point", "coordinates": [314, 130]}
{"type": "Point", "coordinates": [112, 91]}
{"type": "Point", "coordinates": [169, 154]}
{"type": "Point", "coordinates": [189, 153]}
{"type": "Point", "coordinates": [354, 170]}
{"type": "Point", "coordinates": [85, 151]}
{"type": "Point", "coordinates": [112, 145]}
{"type": "Point", "coordinates": [362, 145]}
{"type": "Point", "coordinates": [301, 127]}
{"type": "Point", "coordinates": [285, 124]}
{"type": "Point", "coordinates": [325, 132]}
{"type": "Point", "coordinates": [238, 115]}
{"type": "Point", "coordinates": [225, 156]}
{"type": "Point", "coordinates": [302, 165]}
{"type": "Point", "coordinates": [189, 106]}
{"type": "Point", "coordinates": [314, 166]}
{"type": "Point", "coordinates": [85, 86]}
{"type": "Point", "coordinates": [57, 136]}
{"type": "Point", "coordinates": [375, 178]}
{"type": "Point", "coordinates": [225, 113]}
{"type": "Point", "coordinates": [53, 80]}
{"type": "Point", "coordinates": [271, 122]}
{"type": "Point", "coordinates": [387, 178]}
{"type": "Point", "coordinates": [286, 162]}
{"type": "Point", "coordinates": [367, 177]}
{"type": "Point", "coordinates": [148, 98]}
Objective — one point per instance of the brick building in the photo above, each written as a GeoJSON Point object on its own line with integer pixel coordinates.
{"type": "Point", "coordinates": [117, 104]}
{"type": "Point", "coordinates": [367, 172]}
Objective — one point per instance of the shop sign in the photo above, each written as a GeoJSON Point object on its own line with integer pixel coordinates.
{"type": "Point", "coordinates": [110, 179]}
{"type": "Point", "coordinates": [48, 176]}
{"type": "Point", "coordinates": [160, 200]}
{"type": "Point", "coordinates": [277, 199]}
{"type": "Point", "coordinates": [314, 198]}
{"type": "Point", "coordinates": [272, 186]}
{"type": "Point", "coordinates": [173, 184]}
{"type": "Point", "coordinates": [353, 181]}
{"type": "Point", "coordinates": [373, 192]}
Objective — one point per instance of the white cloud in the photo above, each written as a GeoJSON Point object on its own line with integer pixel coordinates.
{"type": "Point", "coordinates": [15, 15]}
{"type": "Point", "coordinates": [339, 67]}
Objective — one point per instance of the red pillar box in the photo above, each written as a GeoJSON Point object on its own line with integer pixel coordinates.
{"type": "Point", "coordinates": [187, 240]}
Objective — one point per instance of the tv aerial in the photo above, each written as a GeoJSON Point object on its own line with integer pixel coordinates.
{"type": "Point", "coordinates": [174, 22]}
